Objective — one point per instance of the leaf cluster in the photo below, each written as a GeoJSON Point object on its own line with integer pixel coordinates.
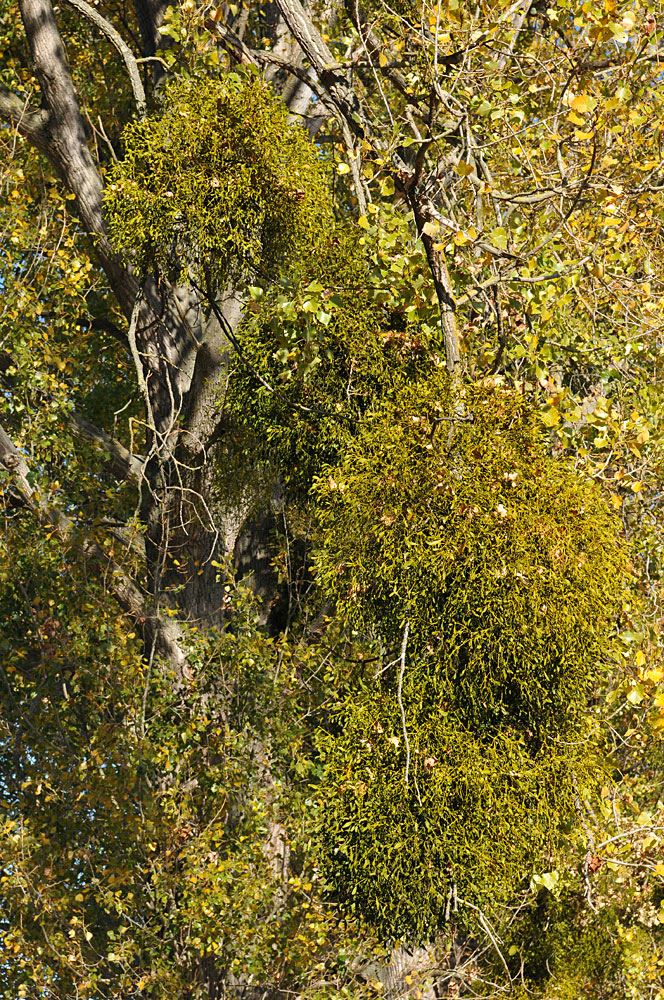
{"type": "Point", "coordinates": [325, 346]}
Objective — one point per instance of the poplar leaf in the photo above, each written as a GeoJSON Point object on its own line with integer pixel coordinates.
{"type": "Point", "coordinates": [583, 103]}
{"type": "Point", "coordinates": [499, 238]}
{"type": "Point", "coordinates": [464, 169]}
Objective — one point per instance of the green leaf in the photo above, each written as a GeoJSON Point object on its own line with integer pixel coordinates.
{"type": "Point", "coordinates": [387, 187]}
{"type": "Point", "coordinates": [498, 237]}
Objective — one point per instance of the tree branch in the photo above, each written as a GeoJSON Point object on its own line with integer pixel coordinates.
{"type": "Point", "coordinates": [161, 333]}
{"type": "Point", "coordinates": [29, 123]}
{"type": "Point", "coordinates": [161, 636]}
{"type": "Point", "coordinates": [425, 216]}
{"type": "Point", "coordinates": [125, 464]}
{"type": "Point", "coordinates": [64, 141]}
{"type": "Point", "coordinates": [118, 41]}
{"type": "Point", "coordinates": [402, 658]}
{"type": "Point", "coordinates": [372, 46]}
{"type": "Point", "coordinates": [58, 132]}
{"type": "Point", "coordinates": [328, 70]}
{"type": "Point", "coordinates": [346, 101]}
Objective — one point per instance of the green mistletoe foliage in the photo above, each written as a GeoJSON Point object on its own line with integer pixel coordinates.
{"type": "Point", "coordinates": [219, 185]}
{"type": "Point", "coordinates": [463, 823]}
{"type": "Point", "coordinates": [447, 512]}
{"type": "Point", "coordinates": [492, 572]}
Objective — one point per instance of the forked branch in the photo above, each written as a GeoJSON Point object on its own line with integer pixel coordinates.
{"type": "Point", "coordinates": [160, 635]}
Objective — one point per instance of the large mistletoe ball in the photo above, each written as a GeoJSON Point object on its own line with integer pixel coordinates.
{"type": "Point", "coordinates": [218, 185]}
{"type": "Point", "coordinates": [448, 512]}
{"type": "Point", "coordinates": [428, 819]}
{"type": "Point", "coordinates": [490, 572]}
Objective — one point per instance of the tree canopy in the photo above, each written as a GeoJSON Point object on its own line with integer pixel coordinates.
{"type": "Point", "coordinates": [330, 466]}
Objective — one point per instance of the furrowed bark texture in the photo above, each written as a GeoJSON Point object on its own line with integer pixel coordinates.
{"type": "Point", "coordinates": [181, 358]}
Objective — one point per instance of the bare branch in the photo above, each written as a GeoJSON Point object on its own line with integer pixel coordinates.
{"type": "Point", "coordinates": [125, 464]}
{"type": "Point", "coordinates": [329, 71]}
{"type": "Point", "coordinates": [425, 218]}
{"type": "Point", "coordinates": [118, 41]}
{"type": "Point", "coordinates": [346, 101]}
{"type": "Point", "coordinates": [372, 46]}
{"type": "Point", "coordinates": [404, 645]}
{"type": "Point", "coordinates": [266, 57]}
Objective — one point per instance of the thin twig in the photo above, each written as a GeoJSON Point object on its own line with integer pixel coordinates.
{"type": "Point", "coordinates": [400, 700]}
{"type": "Point", "coordinates": [486, 926]}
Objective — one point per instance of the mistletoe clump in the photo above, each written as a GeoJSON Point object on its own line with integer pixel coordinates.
{"type": "Point", "coordinates": [420, 819]}
{"type": "Point", "coordinates": [219, 185]}
{"type": "Point", "coordinates": [492, 572]}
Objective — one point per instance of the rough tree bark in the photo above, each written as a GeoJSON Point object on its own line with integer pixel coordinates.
{"type": "Point", "coordinates": [181, 355]}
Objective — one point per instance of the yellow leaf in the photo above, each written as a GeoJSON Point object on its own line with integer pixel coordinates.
{"type": "Point", "coordinates": [659, 868]}
{"type": "Point", "coordinates": [550, 417]}
{"type": "Point", "coordinates": [387, 187]}
{"type": "Point", "coordinates": [640, 657]}
{"type": "Point", "coordinates": [583, 103]}
{"type": "Point", "coordinates": [637, 486]}
{"type": "Point", "coordinates": [464, 169]}
{"type": "Point", "coordinates": [343, 168]}
{"type": "Point", "coordinates": [635, 696]}
{"type": "Point", "coordinates": [382, 59]}
{"type": "Point", "coordinates": [430, 228]}
{"type": "Point", "coordinates": [499, 237]}
{"type": "Point", "coordinates": [582, 136]}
